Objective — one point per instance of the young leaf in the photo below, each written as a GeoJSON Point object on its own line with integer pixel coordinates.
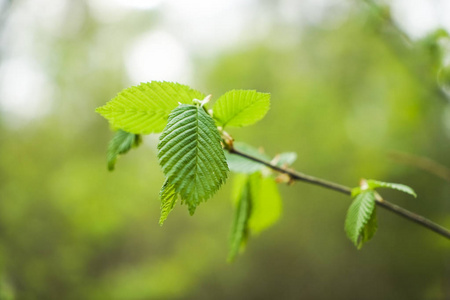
{"type": "Point", "coordinates": [144, 109]}
{"type": "Point", "coordinates": [239, 108]}
{"type": "Point", "coordinates": [168, 199]}
{"type": "Point", "coordinates": [191, 156]}
{"type": "Point", "coordinates": [356, 191]}
{"type": "Point", "coordinates": [266, 203]}
{"type": "Point", "coordinates": [373, 184]}
{"type": "Point", "coordinates": [239, 230]}
{"type": "Point", "coordinates": [242, 165]}
{"type": "Point", "coordinates": [121, 143]}
{"type": "Point", "coordinates": [360, 224]}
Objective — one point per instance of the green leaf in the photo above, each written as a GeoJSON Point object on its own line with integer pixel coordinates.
{"type": "Point", "coordinates": [121, 143]}
{"type": "Point", "coordinates": [266, 203]}
{"type": "Point", "coordinates": [168, 199]}
{"type": "Point", "coordinates": [373, 184]}
{"type": "Point", "coordinates": [287, 158]}
{"type": "Point", "coordinates": [239, 230]}
{"type": "Point", "coordinates": [356, 191]}
{"type": "Point", "coordinates": [370, 228]}
{"type": "Point", "coordinates": [191, 156]}
{"type": "Point", "coordinates": [243, 165]}
{"type": "Point", "coordinates": [239, 108]}
{"type": "Point", "coordinates": [144, 109]}
{"type": "Point", "coordinates": [360, 224]}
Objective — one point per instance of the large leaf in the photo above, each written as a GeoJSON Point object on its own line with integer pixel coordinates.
{"type": "Point", "coordinates": [168, 199]}
{"type": "Point", "coordinates": [144, 109]}
{"type": "Point", "coordinates": [241, 108]}
{"type": "Point", "coordinates": [239, 230]}
{"type": "Point", "coordinates": [191, 156]}
{"type": "Point", "coordinates": [121, 143]}
{"type": "Point", "coordinates": [244, 165]}
{"type": "Point", "coordinates": [374, 184]}
{"type": "Point", "coordinates": [266, 203]}
{"type": "Point", "coordinates": [360, 224]}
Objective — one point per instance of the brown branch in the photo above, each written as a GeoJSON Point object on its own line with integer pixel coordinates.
{"type": "Point", "coordinates": [347, 190]}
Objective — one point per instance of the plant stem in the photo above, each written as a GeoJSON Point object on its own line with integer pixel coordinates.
{"type": "Point", "coordinates": [347, 190]}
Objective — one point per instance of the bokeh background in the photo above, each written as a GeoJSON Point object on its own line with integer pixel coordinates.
{"type": "Point", "coordinates": [359, 89]}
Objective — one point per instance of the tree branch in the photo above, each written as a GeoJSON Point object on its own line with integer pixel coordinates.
{"type": "Point", "coordinates": [347, 190]}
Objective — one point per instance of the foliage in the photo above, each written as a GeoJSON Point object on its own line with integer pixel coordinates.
{"type": "Point", "coordinates": [191, 156]}
{"type": "Point", "coordinates": [70, 230]}
{"type": "Point", "coordinates": [144, 109]}
{"type": "Point", "coordinates": [239, 108]}
{"type": "Point", "coordinates": [190, 151]}
{"type": "Point", "coordinates": [361, 221]}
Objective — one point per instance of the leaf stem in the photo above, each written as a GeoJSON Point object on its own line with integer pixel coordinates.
{"type": "Point", "coordinates": [347, 190]}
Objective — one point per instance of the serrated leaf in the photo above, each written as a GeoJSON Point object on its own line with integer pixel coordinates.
{"type": "Point", "coordinates": [358, 216]}
{"type": "Point", "coordinates": [168, 199]}
{"type": "Point", "coordinates": [243, 165]}
{"type": "Point", "coordinates": [287, 158]}
{"type": "Point", "coordinates": [239, 108]}
{"type": "Point", "coordinates": [191, 156]}
{"type": "Point", "coordinates": [239, 230]}
{"type": "Point", "coordinates": [144, 109]}
{"type": "Point", "coordinates": [121, 143]}
{"type": "Point", "coordinates": [374, 184]}
{"type": "Point", "coordinates": [266, 203]}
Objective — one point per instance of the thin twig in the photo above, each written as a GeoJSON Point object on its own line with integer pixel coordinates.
{"type": "Point", "coordinates": [422, 163]}
{"type": "Point", "coordinates": [347, 190]}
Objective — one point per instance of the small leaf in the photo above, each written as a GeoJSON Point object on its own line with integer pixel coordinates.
{"type": "Point", "coordinates": [287, 158]}
{"type": "Point", "coordinates": [144, 109]}
{"type": "Point", "coordinates": [243, 165]}
{"type": "Point", "coordinates": [168, 199]}
{"type": "Point", "coordinates": [359, 216]}
{"type": "Point", "coordinates": [356, 191]}
{"type": "Point", "coordinates": [266, 203]}
{"type": "Point", "coordinates": [191, 156]}
{"type": "Point", "coordinates": [374, 184]}
{"type": "Point", "coordinates": [239, 108]}
{"type": "Point", "coordinates": [239, 230]}
{"type": "Point", "coordinates": [121, 143]}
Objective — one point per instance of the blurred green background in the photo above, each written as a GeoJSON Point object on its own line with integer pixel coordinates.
{"type": "Point", "coordinates": [351, 83]}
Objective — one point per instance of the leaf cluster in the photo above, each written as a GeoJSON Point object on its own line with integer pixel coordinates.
{"type": "Point", "coordinates": [192, 158]}
{"type": "Point", "coordinates": [189, 150]}
{"type": "Point", "coordinates": [361, 221]}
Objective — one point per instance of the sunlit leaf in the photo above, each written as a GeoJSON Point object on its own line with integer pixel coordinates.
{"type": "Point", "coordinates": [239, 108]}
{"type": "Point", "coordinates": [374, 184]}
{"type": "Point", "coordinates": [191, 156]}
{"type": "Point", "coordinates": [144, 109]}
